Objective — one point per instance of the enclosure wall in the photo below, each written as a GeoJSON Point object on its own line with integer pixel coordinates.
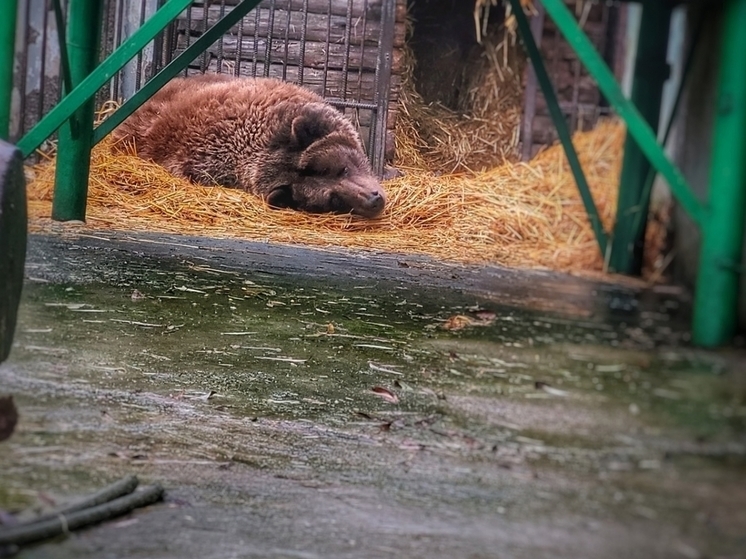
{"type": "Point", "coordinates": [693, 146]}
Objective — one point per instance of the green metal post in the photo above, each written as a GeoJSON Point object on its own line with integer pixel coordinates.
{"type": "Point", "coordinates": [720, 267]}
{"type": "Point", "coordinates": [7, 62]}
{"type": "Point", "coordinates": [74, 140]}
{"type": "Point", "coordinates": [650, 74]}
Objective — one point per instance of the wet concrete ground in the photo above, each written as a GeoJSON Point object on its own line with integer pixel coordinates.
{"type": "Point", "coordinates": [305, 403]}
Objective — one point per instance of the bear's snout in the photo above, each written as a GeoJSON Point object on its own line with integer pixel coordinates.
{"type": "Point", "coordinates": [364, 194]}
{"type": "Point", "coordinates": [374, 203]}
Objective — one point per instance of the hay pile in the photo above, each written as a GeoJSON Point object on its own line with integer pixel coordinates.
{"type": "Point", "coordinates": [521, 215]}
{"type": "Point", "coordinates": [484, 131]}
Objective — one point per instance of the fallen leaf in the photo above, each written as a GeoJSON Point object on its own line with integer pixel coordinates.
{"type": "Point", "coordinates": [8, 417]}
{"type": "Point", "coordinates": [137, 296]}
{"type": "Point", "coordinates": [460, 321]}
{"type": "Point", "coordinates": [457, 322]}
{"type": "Point", "coordinates": [330, 328]}
{"type": "Point", "coordinates": [386, 394]}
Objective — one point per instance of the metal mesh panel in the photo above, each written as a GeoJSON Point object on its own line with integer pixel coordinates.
{"type": "Point", "coordinates": [341, 49]}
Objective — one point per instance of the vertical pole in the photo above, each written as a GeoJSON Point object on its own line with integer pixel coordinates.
{"type": "Point", "coordinates": [558, 118]}
{"type": "Point", "coordinates": [75, 135]}
{"type": "Point", "coordinates": [7, 62]}
{"type": "Point", "coordinates": [529, 104]}
{"type": "Point", "coordinates": [716, 297]}
{"type": "Point", "coordinates": [650, 74]}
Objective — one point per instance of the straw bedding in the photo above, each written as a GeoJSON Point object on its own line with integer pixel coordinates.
{"type": "Point", "coordinates": [523, 215]}
{"type": "Point", "coordinates": [463, 197]}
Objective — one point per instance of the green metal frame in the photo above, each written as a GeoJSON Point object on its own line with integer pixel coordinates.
{"type": "Point", "coordinates": [722, 219]}
{"type": "Point", "coordinates": [74, 138]}
{"type": "Point", "coordinates": [116, 61]}
{"type": "Point", "coordinates": [100, 75]}
{"type": "Point", "coordinates": [637, 126]}
{"type": "Point", "coordinates": [7, 62]}
{"type": "Point", "coordinates": [720, 265]}
{"type": "Point", "coordinates": [71, 185]}
{"type": "Point", "coordinates": [651, 71]}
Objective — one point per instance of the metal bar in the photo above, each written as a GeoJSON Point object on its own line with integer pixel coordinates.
{"type": "Point", "coordinates": [88, 87]}
{"type": "Point", "coordinates": [23, 93]}
{"type": "Point", "coordinates": [636, 124]}
{"type": "Point", "coordinates": [138, 63]}
{"type": "Point", "coordinates": [255, 57]}
{"type": "Point", "coordinates": [221, 58]}
{"type": "Point", "coordinates": [289, 9]}
{"type": "Point", "coordinates": [239, 49]}
{"type": "Point", "coordinates": [107, 39]}
{"type": "Point", "coordinates": [352, 104]}
{"type": "Point", "coordinates": [650, 75]}
{"type": "Point", "coordinates": [363, 40]}
{"type": "Point", "coordinates": [173, 68]}
{"type": "Point", "coordinates": [529, 107]}
{"type": "Point", "coordinates": [559, 121]}
{"type": "Point", "coordinates": [270, 33]}
{"type": "Point", "coordinates": [359, 85]}
{"type": "Point", "coordinates": [688, 62]}
{"type": "Point", "coordinates": [348, 30]}
{"type": "Point", "coordinates": [7, 58]}
{"type": "Point", "coordinates": [303, 31]}
{"type": "Point", "coordinates": [383, 80]}
{"type": "Point", "coordinates": [74, 140]}
{"type": "Point", "coordinates": [188, 37]}
{"type": "Point", "coordinates": [206, 56]}
{"type": "Point", "coordinates": [118, 39]}
{"type": "Point", "coordinates": [59, 18]}
{"type": "Point", "coordinates": [43, 64]}
{"type": "Point", "coordinates": [158, 42]}
{"type": "Point", "coordinates": [716, 297]}
{"type": "Point", "coordinates": [324, 92]}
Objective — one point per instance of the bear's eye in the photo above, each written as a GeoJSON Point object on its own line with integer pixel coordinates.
{"type": "Point", "coordinates": [342, 172]}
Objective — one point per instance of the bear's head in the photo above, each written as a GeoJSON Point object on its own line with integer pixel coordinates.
{"type": "Point", "coordinates": [320, 166]}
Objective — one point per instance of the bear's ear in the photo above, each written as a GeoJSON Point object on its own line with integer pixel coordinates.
{"type": "Point", "coordinates": [311, 125]}
{"type": "Point", "coordinates": [281, 197]}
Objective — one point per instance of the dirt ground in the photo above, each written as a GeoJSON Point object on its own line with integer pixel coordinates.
{"type": "Point", "coordinates": [300, 403]}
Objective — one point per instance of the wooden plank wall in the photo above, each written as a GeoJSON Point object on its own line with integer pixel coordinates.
{"type": "Point", "coordinates": [336, 64]}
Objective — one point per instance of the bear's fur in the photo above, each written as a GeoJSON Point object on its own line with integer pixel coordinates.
{"type": "Point", "coordinates": [272, 138]}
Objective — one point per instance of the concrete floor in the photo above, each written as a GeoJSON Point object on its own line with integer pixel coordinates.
{"type": "Point", "coordinates": [307, 403]}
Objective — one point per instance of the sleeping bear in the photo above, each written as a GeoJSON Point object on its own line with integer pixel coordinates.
{"type": "Point", "coordinates": [268, 137]}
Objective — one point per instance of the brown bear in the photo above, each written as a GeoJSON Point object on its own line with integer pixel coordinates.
{"type": "Point", "coordinates": [268, 137]}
